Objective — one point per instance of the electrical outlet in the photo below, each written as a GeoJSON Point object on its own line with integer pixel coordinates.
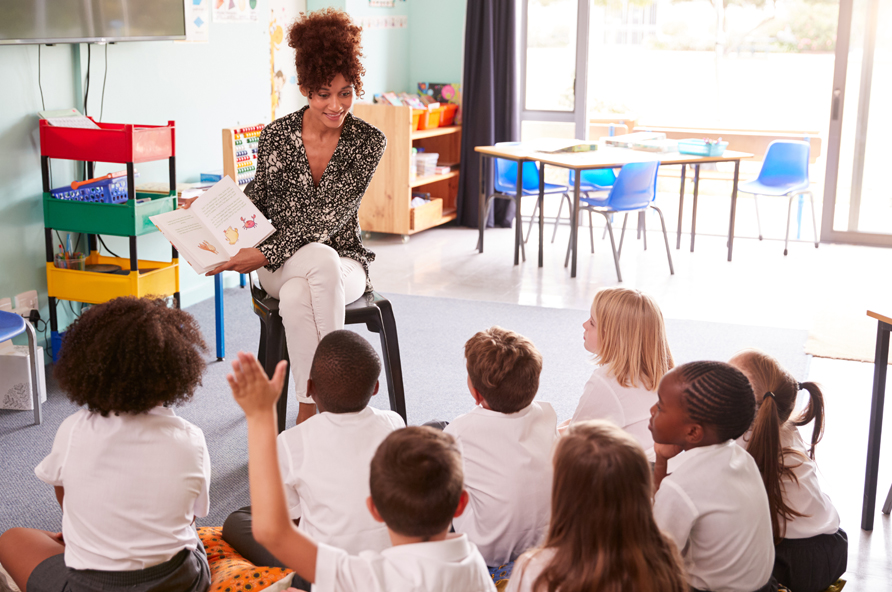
{"type": "Point", "coordinates": [6, 304]}
{"type": "Point", "coordinates": [26, 302]}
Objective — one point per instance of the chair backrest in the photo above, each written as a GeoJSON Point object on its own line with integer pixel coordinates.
{"type": "Point", "coordinates": [600, 178]}
{"type": "Point", "coordinates": [506, 173]}
{"type": "Point", "coordinates": [635, 187]}
{"type": "Point", "coordinates": [786, 162]}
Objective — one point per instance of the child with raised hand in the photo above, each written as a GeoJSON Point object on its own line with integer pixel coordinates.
{"type": "Point", "coordinates": [415, 481]}
{"type": "Point", "coordinates": [507, 442]}
{"type": "Point", "coordinates": [602, 534]}
{"type": "Point", "coordinates": [811, 549]}
{"type": "Point", "coordinates": [627, 336]}
{"type": "Point", "coordinates": [713, 505]}
{"type": "Point", "coordinates": [130, 475]}
{"type": "Point", "coordinates": [324, 461]}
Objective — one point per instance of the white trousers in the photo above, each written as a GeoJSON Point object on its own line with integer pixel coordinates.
{"type": "Point", "coordinates": [313, 286]}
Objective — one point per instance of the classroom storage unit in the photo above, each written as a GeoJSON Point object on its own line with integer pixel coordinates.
{"type": "Point", "coordinates": [386, 205]}
{"type": "Point", "coordinates": [113, 143]}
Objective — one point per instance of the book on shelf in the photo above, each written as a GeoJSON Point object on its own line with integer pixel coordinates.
{"type": "Point", "coordinates": [627, 140]}
{"type": "Point", "coordinates": [218, 224]}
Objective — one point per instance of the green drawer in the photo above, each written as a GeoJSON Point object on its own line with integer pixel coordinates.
{"type": "Point", "coordinates": [126, 219]}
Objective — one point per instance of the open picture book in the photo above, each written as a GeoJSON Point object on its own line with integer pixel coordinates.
{"type": "Point", "coordinates": [219, 223]}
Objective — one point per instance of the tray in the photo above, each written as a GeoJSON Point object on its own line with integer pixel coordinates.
{"type": "Point", "coordinates": [125, 219]}
{"type": "Point", "coordinates": [161, 279]}
{"type": "Point", "coordinates": [701, 148]}
{"type": "Point", "coordinates": [113, 142]}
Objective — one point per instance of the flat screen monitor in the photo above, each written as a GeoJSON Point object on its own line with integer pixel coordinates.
{"type": "Point", "coordinates": [90, 21]}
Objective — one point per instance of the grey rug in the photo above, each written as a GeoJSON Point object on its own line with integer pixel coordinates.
{"type": "Point", "coordinates": [432, 333]}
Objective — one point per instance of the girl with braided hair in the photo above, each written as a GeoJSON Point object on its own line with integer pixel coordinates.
{"type": "Point", "coordinates": [713, 506]}
{"type": "Point", "coordinates": [811, 549]}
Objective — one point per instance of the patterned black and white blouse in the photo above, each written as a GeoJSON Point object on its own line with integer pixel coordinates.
{"type": "Point", "coordinates": [302, 213]}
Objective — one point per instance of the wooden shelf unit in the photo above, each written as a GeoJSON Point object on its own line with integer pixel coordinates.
{"type": "Point", "coordinates": [386, 204]}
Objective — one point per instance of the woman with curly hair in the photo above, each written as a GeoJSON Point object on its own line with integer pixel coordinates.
{"type": "Point", "coordinates": [129, 474]}
{"type": "Point", "coordinates": [313, 168]}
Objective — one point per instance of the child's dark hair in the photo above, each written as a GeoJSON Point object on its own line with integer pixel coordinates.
{"type": "Point", "coordinates": [504, 366]}
{"type": "Point", "coordinates": [776, 392]}
{"type": "Point", "coordinates": [416, 481]}
{"type": "Point", "coordinates": [129, 355]}
{"type": "Point", "coordinates": [344, 372]}
{"type": "Point", "coordinates": [718, 395]}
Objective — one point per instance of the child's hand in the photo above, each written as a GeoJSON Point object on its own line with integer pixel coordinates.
{"type": "Point", "coordinates": [251, 388]}
{"type": "Point", "coordinates": [667, 451]}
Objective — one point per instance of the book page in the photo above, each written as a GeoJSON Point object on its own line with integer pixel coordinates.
{"type": "Point", "coordinates": [231, 217]}
{"type": "Point", "coordinates": [186, 232]}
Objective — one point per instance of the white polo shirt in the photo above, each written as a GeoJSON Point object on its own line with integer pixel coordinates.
{"type": "Point", "coordinates": [715, 508]}
{"type": "Point", "coordinates": [527, 569]}
{"type": "Point", "coordinates": [507, 464]}
{"type": "Point", "coordinates": [627, 407]}
{"type": "Point", "coordinates": [451, 565]}
{"type": "Point", "coordinates": [804, 494]}
{"type": "Point", "coordinates": [133, 484]}
{"type": "Point", "coordinates": [324, 463]}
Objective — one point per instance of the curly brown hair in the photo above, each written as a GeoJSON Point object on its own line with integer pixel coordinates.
{"type": "Point", "coordinates": [326, 43]}
{"type": "Point", "coordinates": [129, 355]}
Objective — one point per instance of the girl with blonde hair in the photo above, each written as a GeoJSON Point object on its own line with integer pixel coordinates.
{"type": "Point", "coordinates": [627, 336]}
{"type": "Point", "coordinates": [602, 534]}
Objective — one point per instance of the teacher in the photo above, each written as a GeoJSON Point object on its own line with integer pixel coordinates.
{"type": "Point", "coordinates": [313, 168]}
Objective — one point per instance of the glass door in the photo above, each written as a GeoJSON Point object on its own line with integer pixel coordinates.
{"type": "Point", "coordinates": [857, 204]}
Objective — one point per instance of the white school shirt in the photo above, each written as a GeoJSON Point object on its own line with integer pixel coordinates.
{"type": "Point", "coordinates": [527, 569]}
{"type": "Point", "coordinates": [715, 508]}
{"type": "Point", "coordinates": [133, 484]}
{"type": "Point", "coordinates": [804, 494]}
{"type": "Point", "coordinates": [628, 407]}
{"type": "Point", "coordinates": [451, 565]}
{"type": "Point", "coordinates": [324, 463]}
{"type": "Point", "coordinates": [508, 471]}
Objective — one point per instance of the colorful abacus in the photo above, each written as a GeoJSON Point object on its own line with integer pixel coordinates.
{"type": "Point", "coordinates": [240, 153]}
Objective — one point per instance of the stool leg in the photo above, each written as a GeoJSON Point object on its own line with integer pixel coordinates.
{"type": "Point", "coordinates": [393, 368]}
{"type": "Point", "coordinates": [274, 349]}
{"type": "Point", "coordinates": [35, 385]}
{"type": "Point", "coordinates": [282, 403]}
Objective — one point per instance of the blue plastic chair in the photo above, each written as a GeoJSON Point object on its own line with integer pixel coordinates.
{"type": "Point", "coordinates": [11, 325]}
{"type": "Point", "coordinates": [634, 191]}
{"type": "Point", "coordinates": [592, 181]}
{"type": "Point", "coordinates": [784, 173]}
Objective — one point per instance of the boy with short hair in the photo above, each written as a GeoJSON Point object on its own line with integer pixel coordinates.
{"type": "Point", "coordinates": [324, 461]}
{"type": "Point", "coordinates": [416, 490]}
{"type": "Point", "coordinates": [507, 442]}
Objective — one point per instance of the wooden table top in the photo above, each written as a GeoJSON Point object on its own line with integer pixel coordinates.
{"type": "Point", "coordinates": [879, 317]}
{"type": "Point", "coordinates": [603, 157]}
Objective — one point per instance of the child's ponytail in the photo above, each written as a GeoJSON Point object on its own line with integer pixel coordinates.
{"type": "Point", "coordinates": [765, 448]}
{"type": "Point", "coordinates": [813, 412]}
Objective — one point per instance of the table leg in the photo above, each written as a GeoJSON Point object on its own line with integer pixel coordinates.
{"type": "Point", "coordinates": [574, 223]}
{"type": "Point", "coordinates": [541, 211]}
{"type": "Point", "coordinates": [518, 233]}
{"type": "Point", "coordinates": [680, 208]}
{"type": "Point", "coordinates": [694, 212]}
{"type": "Point", "coordinates": [880, 364]}
{"type": "Point", "coordinates": [733, 209]}
{"type": "Point", "coordinates": [218, 316]}
{"type": "Point", "coordinates": [481, 208]}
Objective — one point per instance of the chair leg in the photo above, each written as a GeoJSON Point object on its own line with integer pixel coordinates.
{"type": "Point", "coordinates": [393, 368]}
{"type": "Point", "coordinates": [665, 239]}
{"type": "Point", "coordinates": [591, 231]}
{"type": "Point", "coordinates": [814, 223]}
{"type": "Point", "coordinates": [622, 236]}
{"type": "Point", "coordinates": [558, 217]}
{"type": "Point", "coordinates": [619, 275]}
{"type": "Point", "coordinates": [532, 219]}
{"type": "Point", "coordinates": [282, 403]}
{"type": "Point", "coordinates": [787, 235]}
{"type": "Point", "coordinates": [34, 361]}
{"type": "Point", "coordinates": [887, 506]}
{"type": "Point", "coordinates": [518, 234]}
{"type": "Point", "coordinates": [758, 222]}
{"type": "Point", "coordinates": [485, 216]}
{"type": "Point", "coordinates": [273, 349]}
{"type": "Point", "coordinates": [642, 225]}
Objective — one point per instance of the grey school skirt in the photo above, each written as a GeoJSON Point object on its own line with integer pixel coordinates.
{"type": "Point", "coordinates": [187, 571]}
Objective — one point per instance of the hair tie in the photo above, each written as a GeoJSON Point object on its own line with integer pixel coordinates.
{"type": "Point", "coordinates": [769, 394]}
{"type": "Point", "coordinates": [799, 386]}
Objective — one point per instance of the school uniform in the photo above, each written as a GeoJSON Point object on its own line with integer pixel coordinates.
{"type": "Point", "coordinates": [133, 485]}
{"type": "Point", "coordinates": [508, 472]}
{"type": "Point", "coordinates": [628, 407]}
{"type": "Point", "coordinates": [814, 550]}
{"type": "Point", "coordinates": [527, 570]}
{"type": "Point", "coordinates": [714, 507]}
{"type": "Point", "coordinates": [437, 566]}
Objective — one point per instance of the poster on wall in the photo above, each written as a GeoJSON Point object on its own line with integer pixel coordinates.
{"type": "Point", "coordinates": [235, 11]}
{"type": "Point", "coordinates": [285, 95]}
{"type": "Point", "coordinates": [197, 19]}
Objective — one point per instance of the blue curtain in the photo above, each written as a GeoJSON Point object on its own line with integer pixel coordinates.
{"type": "Point", "coordinates": [489, 106]}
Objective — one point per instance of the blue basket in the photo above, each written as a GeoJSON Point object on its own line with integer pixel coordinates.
{"type": "Point", "coordinates": [701, 148]}
{"type": "Point", "coordinates": [109, 191]}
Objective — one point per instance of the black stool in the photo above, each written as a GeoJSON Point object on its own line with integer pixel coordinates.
{"type": "Point", "coordinates": [372, 309]}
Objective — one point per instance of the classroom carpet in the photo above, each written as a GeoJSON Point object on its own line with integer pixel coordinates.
{"type": "Point", "coordinates": [843, 335]}
{"type": "Point", "coordinates": [432, 333]}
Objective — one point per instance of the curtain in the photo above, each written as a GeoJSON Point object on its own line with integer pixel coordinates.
{"type": "Point", "coordinates": [489, 102]}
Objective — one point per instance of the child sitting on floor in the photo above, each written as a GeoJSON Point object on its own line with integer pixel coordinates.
{"type": "Point", "coordinates": [324, 461]}
{"type": "Point", "coordinates": [713, 505]}
{"type": "Point", "coordinates": [811, 549]}
{"type": "Point", "coordinates": [627, 336]}
{"type": "Point", "coordinates": [130, 475]}
{"type": "Point", "coordinates": [415, 481]}
{"type": "Point", "coordinates": [506, 442]}
{"type": "Point", "coordinates": [602, 534]}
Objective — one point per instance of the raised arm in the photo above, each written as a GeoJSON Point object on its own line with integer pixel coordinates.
{"type": "Point", "coordinates": [272, 527]}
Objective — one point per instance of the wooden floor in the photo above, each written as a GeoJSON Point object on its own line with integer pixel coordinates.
{"type": "Point", "coordinates": [760, 287]}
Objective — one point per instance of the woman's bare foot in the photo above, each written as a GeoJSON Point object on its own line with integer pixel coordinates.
{"type": "Point", "coordinates": [304, 412]}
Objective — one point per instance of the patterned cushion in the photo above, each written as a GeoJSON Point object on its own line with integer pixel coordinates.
{"type": "Point", "coordinates": [500, 575]}
{"type": "Point", "coordinates": [230, 572]}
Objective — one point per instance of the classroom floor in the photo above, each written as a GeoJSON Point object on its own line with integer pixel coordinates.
{"type": "Point", "coordinates": [759, 287]}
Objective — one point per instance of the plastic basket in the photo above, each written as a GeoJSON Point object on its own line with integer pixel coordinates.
{"type": "Point", "coordinates": [448, 115]}
{"type": "Point", "coordinates": [112, 142]}
{"type": "Point", "coordinates": [109, 191]}
{"type": "Point", "coordinates": [63, 262]}
{"type": "Point", "coordinates": [416, 118]}
{"type": "Point", "coordinates": [701, 147]}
